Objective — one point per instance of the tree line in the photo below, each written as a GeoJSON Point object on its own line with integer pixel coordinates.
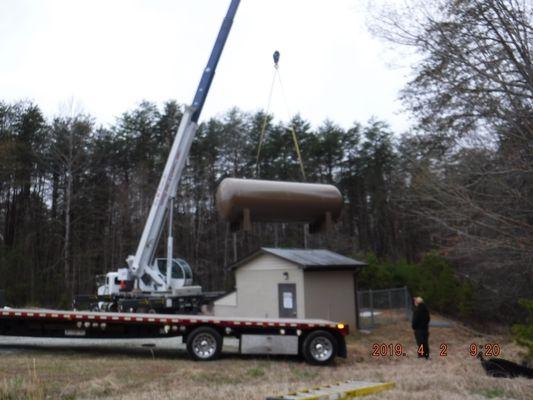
{"type": "Point", "coordinates": [74, 196]}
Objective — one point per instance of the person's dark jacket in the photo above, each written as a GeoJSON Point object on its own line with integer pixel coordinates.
{"type": "Point", "coordinates": [420, 317]}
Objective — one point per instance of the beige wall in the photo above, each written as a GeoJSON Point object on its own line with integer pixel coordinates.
{"type": "Point", "coordinates": [226, 306]}
{"type": "Point", "coordinates": [257, 288]}
{"type": "Point", "coordinates": [228, 300]}
{"type": "Point", "coordinates": [330, 295]}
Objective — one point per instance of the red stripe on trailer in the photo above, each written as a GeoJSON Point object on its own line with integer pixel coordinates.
{"type": "Point", "coordinates": [167, 319]}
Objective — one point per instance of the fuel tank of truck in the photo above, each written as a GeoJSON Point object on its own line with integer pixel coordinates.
{"type": "Point", "coordinates": [243, 201]}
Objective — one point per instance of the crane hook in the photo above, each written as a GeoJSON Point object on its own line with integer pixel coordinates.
{"type": "Point", "coordinates": [275, 56]}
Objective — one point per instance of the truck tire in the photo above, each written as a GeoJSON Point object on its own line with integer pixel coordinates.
{"type": "Point", "coordinates": [204, 344]}
{"type": "Point", "coordinates": [319, 348]}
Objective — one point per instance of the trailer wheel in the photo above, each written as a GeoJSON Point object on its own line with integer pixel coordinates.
{"type": "Point", "coordinates": [319, 348]}
{"type": "Point", "coordinates": [204, 344]}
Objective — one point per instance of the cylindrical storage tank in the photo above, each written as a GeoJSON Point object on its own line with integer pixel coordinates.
{"type": "Point", "coordinates": [240, 201]}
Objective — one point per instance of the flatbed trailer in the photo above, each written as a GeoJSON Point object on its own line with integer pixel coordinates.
{"type": "Point", "coordinates": [317, 341]}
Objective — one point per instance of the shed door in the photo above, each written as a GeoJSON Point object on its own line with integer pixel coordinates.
{"type": "Point", "coordinates": [287, 300]}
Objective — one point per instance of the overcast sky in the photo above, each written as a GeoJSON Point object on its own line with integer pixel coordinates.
{"type": "Point", "coordinates": [108, 55]}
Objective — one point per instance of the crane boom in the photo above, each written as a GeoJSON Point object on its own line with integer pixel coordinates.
{"type": "Point", "coordinates": [140, 263]}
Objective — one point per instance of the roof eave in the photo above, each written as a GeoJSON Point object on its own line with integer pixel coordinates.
{"type": "Point", "coordinates": [332, 267]}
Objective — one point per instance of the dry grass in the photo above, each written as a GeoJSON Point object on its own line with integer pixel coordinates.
{"type": "Point", "coordinates": [138, 374]}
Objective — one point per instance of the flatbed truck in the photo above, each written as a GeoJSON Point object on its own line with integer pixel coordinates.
{"type": "Point", "coordinates": [318, 341]}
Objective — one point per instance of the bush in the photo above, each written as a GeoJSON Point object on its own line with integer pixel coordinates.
{"type": "Point", "coordinates": [432, 278]}
{"type": "Point", "coordinates": [524, 332]}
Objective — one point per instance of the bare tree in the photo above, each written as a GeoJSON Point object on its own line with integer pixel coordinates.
{"type": "Point", "coordinates": [68, 157]}
{"type": "Point", "coordinates": [470, 164]}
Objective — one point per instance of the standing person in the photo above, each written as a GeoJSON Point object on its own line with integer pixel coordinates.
{"type": "Point", "coordinates": [420, 325]}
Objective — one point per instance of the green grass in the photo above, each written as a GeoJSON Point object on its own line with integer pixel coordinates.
{"type": "Point", "coordinates": [19, 388]}
{"type": "Point", "coordinates": [304, 374]}
{"type": "Point", "coordinates": [492, 393]}
{"type": "Point", "coordinates": [255, 372]}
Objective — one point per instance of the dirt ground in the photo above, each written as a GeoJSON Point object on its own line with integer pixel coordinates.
{"type": "Point", "coordinates": [133, 372]}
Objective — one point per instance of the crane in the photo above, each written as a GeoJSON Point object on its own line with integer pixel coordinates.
{"type": "Point", "coordinates": [147, 274]}
{"type": "Point", "coordinates": [162, 205]}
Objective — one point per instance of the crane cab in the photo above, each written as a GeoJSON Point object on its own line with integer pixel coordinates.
{"type": "Point", "coordinates": [181, 274]}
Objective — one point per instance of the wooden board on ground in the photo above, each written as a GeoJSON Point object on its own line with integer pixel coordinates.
{"type": "Point", "coordinates": [340, 391]}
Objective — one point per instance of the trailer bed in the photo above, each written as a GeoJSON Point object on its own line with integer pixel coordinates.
{"type": "Point", "coordinates": [318, 341]}
{"type": "Point", "coordinates": [47, 314]}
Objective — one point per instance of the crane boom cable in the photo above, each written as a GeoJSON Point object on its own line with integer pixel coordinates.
{"type": "Point", "coordinates": [264, 123]}
{"type": "Point", "coordinates": [291, 128]}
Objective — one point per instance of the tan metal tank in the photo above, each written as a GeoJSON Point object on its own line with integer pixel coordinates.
{"type": "Point", "coordinates": [243, 201]}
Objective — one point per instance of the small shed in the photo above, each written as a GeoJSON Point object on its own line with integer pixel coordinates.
{"type": "Point", "coordinates": [293, 283]}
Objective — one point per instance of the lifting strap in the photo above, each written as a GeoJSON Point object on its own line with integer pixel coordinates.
{"type": "Point", "coordinates": [264, 123]}
{"type": "Point", "coordinates": [265, 120]}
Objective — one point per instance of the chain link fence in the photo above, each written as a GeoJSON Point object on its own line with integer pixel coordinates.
{"type": "Point", "coordinates": [383, 306]}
